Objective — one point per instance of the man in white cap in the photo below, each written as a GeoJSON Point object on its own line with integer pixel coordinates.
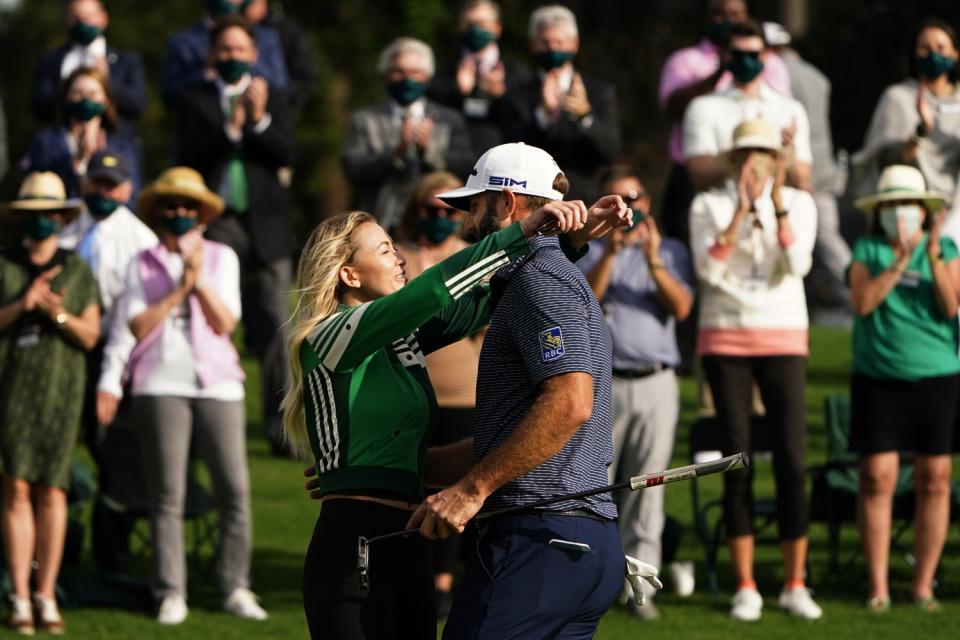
{"type": "Point", "coordinates": [542, 427]}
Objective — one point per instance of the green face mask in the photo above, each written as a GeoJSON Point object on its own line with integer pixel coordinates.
{"type": "Point", "coordinates": [220, 8]}
{"type": "Point", "coordinates": [179, 225]}
{"type": "Point", "coordinates": [933, 65]}
{"type": "Point", "coordinates": [232, 70]}
{"type": "Point", "coordinates": [746, 66]}
{"type": "Point", "coordinates": [84, 110]}
{"type": "Point", "coordinates": [552, 59]}
{"type": "Point", "coordinates": [83, 33]}
{"type": "Point", "coordinates": [406, 91]}
{"type": "Point", "coordinates": [476, 38]}
{"type": "Point", "coordinates": [437, 229]}
{"type": "Point", "coordinates": [100, 206]}
{"type": "Point", "coordinates": [39, 227]}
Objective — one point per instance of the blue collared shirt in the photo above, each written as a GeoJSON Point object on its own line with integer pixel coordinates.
{"type": "Point", "coordinates": [644, 331]}
{"type": "Point", "coordinates": [546, 323]}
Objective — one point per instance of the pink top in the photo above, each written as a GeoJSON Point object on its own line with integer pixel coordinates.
{"type": "Point", "coordinates": [752, 342]}
{"type": "Point", "coordinates": [692, 64]}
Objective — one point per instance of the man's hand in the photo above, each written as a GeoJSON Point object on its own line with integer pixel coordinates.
{"type": "Point", "coordinates": [607, 213]}
{"type": "Point", "coordinates": [494, 82]}
{"type": "Point", "coordinates": [406, 137]}
{"type": "Point", "coordinates": [447, 512]}
{"type": "Point", "coordinates": [107, 404]}
{"type": "Point", "coordinates": [558, 216]}
{"type": "Point", "coordinates": [467, 75]}
{"type": "Point", "coordinates": [313, 484]}
{"type": "Point", "coordinates": [652, 247]}
{"type": "Point", "coordinates": [238, 118]}
{"type": "Point", "coordinates": [575, 102]}
{"type": "Point", "coordinates": [256, 98]}
{"type": "Point", "coordinates": [550, 92]}
{"type": "Point", "coordinates": [422, 133]}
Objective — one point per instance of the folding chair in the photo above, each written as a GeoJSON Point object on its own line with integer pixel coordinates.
{"type": "Point", "coordinates": [836, 484]}
{"type": "Point", "coordinates": [706, 439]}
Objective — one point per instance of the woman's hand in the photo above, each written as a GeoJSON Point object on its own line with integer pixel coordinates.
{"type": "Point", "coordinates": [779, 178]}
{"type": "Point", "coordinates": [746, 186]}
{"type": "Point", "coordinates": [925, 111]}
{"type": "Point", "coordinates": [192, 263]}
{"type": "Point", "coordinates": [933, 238]}
{"type": "Point", "coordinates": [39, 288]}
{"type": "Point", "coordinates": [558, 216]}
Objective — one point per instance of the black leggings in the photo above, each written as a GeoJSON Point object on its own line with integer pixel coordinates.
{"type": "Point", "coordinates": [781, 380]}
{"type": "Point", "coordinates": [399, 604]}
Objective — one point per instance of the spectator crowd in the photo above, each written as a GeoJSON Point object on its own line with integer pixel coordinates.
{"type": "Point", "coordinates": [119, 300]}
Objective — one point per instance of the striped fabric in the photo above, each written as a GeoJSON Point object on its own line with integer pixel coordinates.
{"type": "Point", "coordinates": [546, 323]}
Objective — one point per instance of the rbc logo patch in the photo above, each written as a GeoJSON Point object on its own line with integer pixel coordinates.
{"type": "Point", "coordinates": [551, 344]}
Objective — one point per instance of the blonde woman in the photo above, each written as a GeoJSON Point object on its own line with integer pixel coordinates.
{"type": "Point", "coordinates": [362, 405]}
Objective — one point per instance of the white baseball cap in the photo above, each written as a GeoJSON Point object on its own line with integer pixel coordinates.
{"type": "Point", "coordinates": [515, 166]}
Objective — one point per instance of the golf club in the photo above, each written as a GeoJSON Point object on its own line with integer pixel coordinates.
{"type": "Point", "coordinates": [657, 478]}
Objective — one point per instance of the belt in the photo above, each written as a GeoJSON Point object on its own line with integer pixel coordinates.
{"type": "Point", "coordinates": [569, 513]}
{"type": "Point", "coordinates": [640, 372]}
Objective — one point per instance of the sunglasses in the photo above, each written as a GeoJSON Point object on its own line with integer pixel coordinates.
{"type": "Point", "coordinates": [435, 211]}
{"type": "Point", "coordinates": [632, 195]}
{"type": "Point", "coordinates": [176, 205]}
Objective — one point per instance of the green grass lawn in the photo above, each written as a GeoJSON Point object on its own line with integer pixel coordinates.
{"type": "Point", "coordinates": [284, 518]}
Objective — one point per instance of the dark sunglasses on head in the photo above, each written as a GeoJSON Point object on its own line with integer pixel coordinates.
{"type": "Point", "coordinates": [633, 194]}
{"type": "Point", "coordinates": [175, 205]}
{"type": "Point", "coordinates": [435, 211]}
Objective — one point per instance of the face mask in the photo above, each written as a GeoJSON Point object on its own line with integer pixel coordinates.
{"type": "Point", "coordinates": [476, 38]}
{"type": "Point", "coordinates": [179, 225]}
{"type": "Point", "coordinates": [745, 66]}
{"type": "Point", "coordinates": [100, 206]}
{"type": "Point", "coordinates": [910, 215]}
{"type": "Point", "coordinates": [39, 227]}
{"type": "Point", "coordinates": [717, 32]}
{"type": "Point", "coordinates": [406, 91]}
{"type": "Point", "coordinates": [934, 65]}
{"type": "Point", "coordinates": [232, 70]}
{"type": "Point", "coordinates": [437, 229]}
{"type": "Point", "coordinates": [84, 110]}
{"type": "Point", "coordinates": [220, 8]}
{"type": "Point", "coordinates": [83, 33]}
{"type": "Point", "coordinates": [552, 59]}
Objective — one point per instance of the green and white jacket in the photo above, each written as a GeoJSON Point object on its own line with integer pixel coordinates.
{"type": "Point", "coordinates": [369, 404]}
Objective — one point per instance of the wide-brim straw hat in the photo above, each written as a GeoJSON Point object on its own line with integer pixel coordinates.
{"type": "Point", "coordinates": [179, 182]}
{"type": "Point", "coordinates": [902, 182]}
{"type": "Point", "coordinates": [756, 134]}
{"type": "Point", "coordinates": [44, 191]}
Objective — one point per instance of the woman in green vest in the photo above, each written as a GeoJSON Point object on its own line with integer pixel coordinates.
{"type": "Point", "coordinates": [904, 283]}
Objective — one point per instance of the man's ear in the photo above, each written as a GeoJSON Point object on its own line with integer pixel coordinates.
{"type": "Point", "coordinates": [509, 199]}
{"type": "Point", "coordinates": [349, 277]}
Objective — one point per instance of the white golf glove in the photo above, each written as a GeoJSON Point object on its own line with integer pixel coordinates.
{"type": "Point", "coordinates": [636, 573]}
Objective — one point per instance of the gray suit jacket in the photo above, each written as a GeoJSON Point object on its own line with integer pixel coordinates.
{"type": "Point", "coordinates": [382, 182]}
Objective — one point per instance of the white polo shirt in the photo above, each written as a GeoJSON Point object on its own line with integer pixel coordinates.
{"type": "Point", "coordinates": [709, 121]}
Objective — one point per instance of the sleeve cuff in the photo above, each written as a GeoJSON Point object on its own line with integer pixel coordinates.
{"type": "Point", "coordinates": [571, 252]}
{"type": "Point", "coordinates": [262, 125]}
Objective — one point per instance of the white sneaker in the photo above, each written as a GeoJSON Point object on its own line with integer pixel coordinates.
{"type": "Point", "coordinates": [798, 601]}
{"type": "Point", "coordinates": [244, 603]}
{"type": "Point", "coordinates": [173, 610]}
{"type": "Point", "coordinates": [746, 605]}
{"type": "Point", "coordinates": [683, 578]}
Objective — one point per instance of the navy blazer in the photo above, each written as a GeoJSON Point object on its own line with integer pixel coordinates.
{"type": "Point", "coordinates": [186, 59]}
{"type": "Point", "coordinates": [203, 145]}
{"type": "Point", "coordinates": [127, 84]}
{"type": "Point", "coordinates": [48, 151]}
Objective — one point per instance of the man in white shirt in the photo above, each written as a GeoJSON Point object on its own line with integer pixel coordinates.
{"type": "Point", "coordinates": [709, 121]}
{"type": "Point", "coordinates": [86, 21]}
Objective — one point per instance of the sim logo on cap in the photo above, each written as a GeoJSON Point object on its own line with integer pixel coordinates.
{"type": "Point", "coordinates": [504, 181]}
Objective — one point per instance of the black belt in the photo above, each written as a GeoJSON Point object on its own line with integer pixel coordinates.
{"type": "Point", "coordinates": [569, 513]}
{"type": "Point", "coordinates": [640, 372]}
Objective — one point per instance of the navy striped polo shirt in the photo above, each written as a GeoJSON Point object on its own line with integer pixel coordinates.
{"type": "Point", "coordinates": [546, 322]}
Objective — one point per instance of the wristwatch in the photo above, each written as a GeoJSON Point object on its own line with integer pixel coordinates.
{"type": "Point", "coordinates": [61, 318]}
{"type": "Point", "coordinates": [781, 214]}
{"type": "Point", "coordinates": [657, 263]}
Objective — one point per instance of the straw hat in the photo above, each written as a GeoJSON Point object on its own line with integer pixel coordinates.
{"type": "Point", "coordinates": [756, 134]}
{"type": "Point", "coordinates": [900, 182]}
{"type": "Point", "coordinates": [44, 192]}
{"type": "Point", "coordinates": [179, 182]}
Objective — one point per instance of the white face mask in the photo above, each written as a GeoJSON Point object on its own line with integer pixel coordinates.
{"type": "Point", "coordinates": [909, 215]}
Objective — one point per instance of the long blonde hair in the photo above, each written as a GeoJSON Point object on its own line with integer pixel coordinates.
{"type": "Point", "coordinates": [330, 246]}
